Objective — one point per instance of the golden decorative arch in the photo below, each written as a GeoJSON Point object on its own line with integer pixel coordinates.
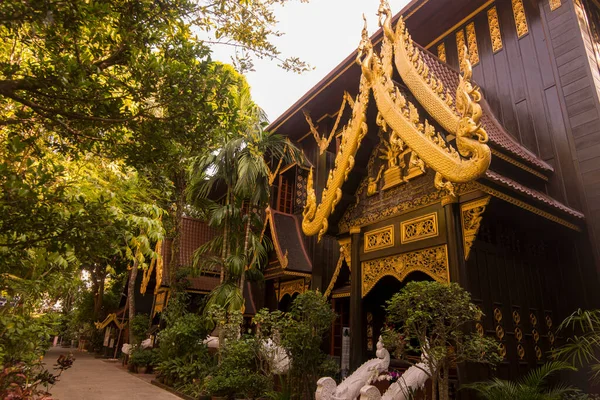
{"type": "Point", "coordinates": [432, 261]}
{"type": "Point", "coordinates": [291, 287]}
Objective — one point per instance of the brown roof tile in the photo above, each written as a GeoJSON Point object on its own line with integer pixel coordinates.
{"type": "Point", "coordinates": [286, 234]}
{"type": "Point", "coordinates": [532, 193]}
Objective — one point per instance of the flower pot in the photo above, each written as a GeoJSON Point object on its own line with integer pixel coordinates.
{"type": "Point", "coordinates": [142, 369]}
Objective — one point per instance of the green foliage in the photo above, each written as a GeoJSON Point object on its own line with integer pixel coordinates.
{"type": "Point", "coordinates": [240, 165]}
{"type": "Point", "coordinates": [141, 357]}
{"type": "Point", "coordinates": [532, 386]}
{"type": "Point", "coordinates": [437, 318]}
{"type": "Point", "coordinates": [583, 347]}
{"type": "Point", "coordinates": [300, 332]}
{"type": "Point", "coordinates": [25, 338]}
{"type": "Point", "coordinates": [182, 358]}
{"type": "Point", "coordinates": [140, 325]}
{"type": "Point", "coordinates": [239, 372]}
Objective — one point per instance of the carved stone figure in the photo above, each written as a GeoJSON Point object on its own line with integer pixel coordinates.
{"type": "Point", "coordinates": [350, 387]}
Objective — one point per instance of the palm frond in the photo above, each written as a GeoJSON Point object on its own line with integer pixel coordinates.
{"type": "Point", "coordinates": [537, 378]}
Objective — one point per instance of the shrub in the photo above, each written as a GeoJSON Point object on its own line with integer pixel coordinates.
{"type": "Point", "coordinates": [437, 318]}
{"type": "Point", "coordinates": [182, 358]}
{"type": "Point", "coordinates": [140, 325]}
{"type": "Point", "coordinates": [141, 357]}
{"type": "Point", "coordinates": [239, 370]}
{"type": "Point", "coordinates": [300, 332]}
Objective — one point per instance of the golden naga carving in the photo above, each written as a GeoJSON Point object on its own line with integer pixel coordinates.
{"type": "Point", "coordinates": [415, 73]}
{"type": "Point", "coordinates": [429, 147]}
{"type": "Point", "coordinates": [315, 216]}
{"type": "Point", "coordinates": [323, 142]}
{"type": "Point", "coordinates": [473, 156]}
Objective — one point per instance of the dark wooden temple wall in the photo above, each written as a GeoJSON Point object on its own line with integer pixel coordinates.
{"type": "Point", "coordinates": [522, 273]}
{"type": "Point", "coordinates": [543, 87]}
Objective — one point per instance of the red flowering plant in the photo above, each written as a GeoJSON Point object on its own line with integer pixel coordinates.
{"type": "Point", "coordinates": [31, 381]}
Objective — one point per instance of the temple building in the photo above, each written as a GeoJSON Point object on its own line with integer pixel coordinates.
{"type": "Point", "coordinates": [459, 143]}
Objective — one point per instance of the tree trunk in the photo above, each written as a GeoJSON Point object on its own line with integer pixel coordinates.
{"type": "Point", "coordinates": [180, 185]}
{"type": "Point", "coordinates": [131, 298]}
{"type": "Point", "coordinates": [246, 243]}
{"type": "Point", "coordinates": [445, 386]}
{"type": "Point", "coordinates": [100, 281]}
{"type": "Point", "coordinates": [225, 250]}
{"type": "Point", "coordinates": [434, 387]}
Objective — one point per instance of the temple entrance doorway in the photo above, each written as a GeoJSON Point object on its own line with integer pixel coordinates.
{"type": "Point", "coordinates": [376, 301]}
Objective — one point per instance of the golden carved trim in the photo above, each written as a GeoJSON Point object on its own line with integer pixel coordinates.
{"type": "Point", "coordinates": [282, 257]}
{"type": "Point", "coordinates": [554, 4]}
{"type": "Point", "coordinates": [472, 43]}
{"type": "Point", "coordinates": [527, 207]}
{"type": "Point", "coordinates": [336, 272]}
{"type": "Point", "coordinates": [291, 287]}
{"type": "Point", "coordinates": [441, 52]}
{"type": "Point", "coordinates": [471, 215]}
{"type": "Point", "coordinates": [291, 273]}
{"type": "Point", "coordinates": [419, 228]}
{"type": "Point", "coordinates": [432, 261]}
{"type": "Point", "coordinates": [448, 200]}
{"type": "Point", "coordinates": [461, 45]}
{"type": "Point", "coordinates": [323, 142]}
{"type": "Point", "coordinates": [354, 230]}
{"type": "Point", "coordinates": [378, 239]}
{"type": "Point", "coordinates": [516, 163]}
{"type": "Point", "coordinates": [520, 18]}
{"type": "Point", "coordinates": [459, 23]}
{"type": "Point", "coordinates": [288, 273]}
{"type": "Point", "coordinates": [402, 208]}
{"type": "Point", "coordinates": [346, 250]}
{"type": "Point", "coordinates": [340, 295]}
{"type": "Point", "coordinates": [495, 33]}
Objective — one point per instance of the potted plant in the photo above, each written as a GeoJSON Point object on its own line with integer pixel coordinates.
{"type": "Point", "coordinates": [141, 359]}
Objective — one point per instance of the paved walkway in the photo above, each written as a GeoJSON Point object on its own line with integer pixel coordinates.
{"type": "Point", "coordinates": [94, 379]}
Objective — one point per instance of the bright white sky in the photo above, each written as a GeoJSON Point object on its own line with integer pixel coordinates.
{"type": "Point", "coordinates": [322, 33]}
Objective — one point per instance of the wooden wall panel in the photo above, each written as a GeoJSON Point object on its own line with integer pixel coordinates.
{"type": "Point", "coordinates": [544, 87]}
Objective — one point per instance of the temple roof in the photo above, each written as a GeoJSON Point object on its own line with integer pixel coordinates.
{"type": "Point", "coordinates": [287, 239]}
{"type": "Point", "coordinates": [533, 194]}
{"type": "Point", "coordinates": [194, 233]}
{"type": "Point", "coordinates": [346, 76]}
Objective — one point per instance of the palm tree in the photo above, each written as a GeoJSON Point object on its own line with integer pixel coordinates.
{"type": "Point", "coordinates": [238, 173]}
{"type": "Point", "coordinates": [532, 386]}
{"type": "Point", "coordinates": [583, 348]}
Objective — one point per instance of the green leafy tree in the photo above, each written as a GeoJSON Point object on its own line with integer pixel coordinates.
{"type": "Point", "coordinates": [533, 386]}
{"type": "Point", "coordinates": [240, 169]}
{"type": "Point", "coordinates": [437, 317]}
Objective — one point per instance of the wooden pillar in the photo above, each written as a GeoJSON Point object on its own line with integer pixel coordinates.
{"type": "Point", "coordinates": [318, 270]}
{"type": "Point", "coordinates": [456, 259]}
{"type": "Point", "coordinates": [357, 325]}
